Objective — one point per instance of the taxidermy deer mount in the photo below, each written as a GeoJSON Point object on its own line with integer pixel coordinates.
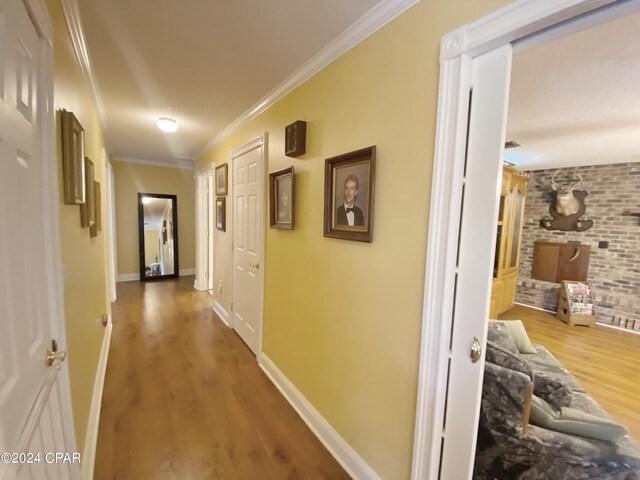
{"type": "Point", "coordinates": [567, 206]}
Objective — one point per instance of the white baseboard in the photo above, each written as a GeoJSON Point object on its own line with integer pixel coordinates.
{"type": "Point", "coordinates": [346, 456]}
{"type": "Point", "coordinates": [222, 312]}
{"type": "Point", "coordinates": [187, 271]}
{"type": "Point", "coordinates": [91, 440]}
{"type": "Point", "coordinates": [196, 285]}
{"type": "Point", "coordinates": [536, 308]}
{"type": "Point", "coordinates": [129, 277]}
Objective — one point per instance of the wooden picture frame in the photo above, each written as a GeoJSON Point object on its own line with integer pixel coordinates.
{"type": "Point", "coordinates": [96, 228]}
{"type": "Point", "coordinates": [349, 182]}
{"type": "Point", "coordinates": [295, 139]}
{"type": "Point", "coordinates": [88, 208]}
{"type": "Point", "coordinates": [221, 178]}
{"type": "Point", "coordinates": [221, 214]}
{"type": "Point", "coordinates": [73, 165]}
{"type": "Point", "coordinates": [282, 199]}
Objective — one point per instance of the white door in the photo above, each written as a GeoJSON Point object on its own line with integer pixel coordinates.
{"type": "Point", "coordinates": [248, 238]}
{"type": "Point", "coordinates": [34, 404]}
{"type": "Point", "coordinates": [210, 227]}
{"type": "Point", "coordinates": [481, 187]}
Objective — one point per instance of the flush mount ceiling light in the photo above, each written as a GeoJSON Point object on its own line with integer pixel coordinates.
{"type": "Point", "coordinates": [167, 124]}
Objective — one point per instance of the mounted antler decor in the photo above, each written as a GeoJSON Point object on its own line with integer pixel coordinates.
{"type": "Point", "coordinates": [567, 206]}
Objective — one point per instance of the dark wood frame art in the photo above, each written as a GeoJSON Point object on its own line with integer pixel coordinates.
{"type": "Point", "coordinates": [174, 215]}
{"type": "Point", "coordinates": [295, 138]}
{"type": "Point", "coordinates": [355, 157]}
{"type": "Point", "coordinates": [221, 223]}
{"type": "Point", "coordinates": [222, 170]}
{"type": "Point", "coordinates": [73, 167]}
{"type": "Point", "coordinates": [88, 208]}
{"type": "Point", "coordinates": [273, 198]}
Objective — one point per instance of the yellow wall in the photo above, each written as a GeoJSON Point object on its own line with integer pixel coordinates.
{"type": "Point", "coordinates": [342, 319]}
{"type": "Point", "coordinates": [133, 178]}
{"type": "Point", "coordinates": [84, 258]}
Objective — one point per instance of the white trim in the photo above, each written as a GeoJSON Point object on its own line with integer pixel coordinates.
{"type": "Point", "coordinates": [346, 456]}
{"type": "Point", "coordinates": [620, 329]}
{"type": "Point", "coordinates": [535, 308]}
{"type": "Point", "coordinates": [383, 13]}
{"type": "Point", "coordinates": [515, 21]}
{"type": "Point", "coordinates": [185, 272]}
{"type": "Point", "coordinates": [262, 143]}
{"type": "Point", "coordinates": [91, 441]}
{"type": "Point", "coordinates": [196, 285]}
{"type": "Point", "coordinates": [129, 277]}
{"type": "Point", "coordinates": [74, 24]}
{"type": "Point", "coordinates": [177, 163]}
{"type": "Point", "coordinates": [109, 226]}
{"type": "Point", "coordinates": [41, 19]}
{"type": "Point", "coordinates": [221, 312]}
{"type": "Point", "coordinates": [53, 264]}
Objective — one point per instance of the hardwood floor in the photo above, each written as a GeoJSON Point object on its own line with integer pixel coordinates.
{"type": "Point", "coordinates": [184, 398]}
{"type": "Point", "coordinates": [605, 362]}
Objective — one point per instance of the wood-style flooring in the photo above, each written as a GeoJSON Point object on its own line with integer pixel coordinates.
{"type": "Point", "coordinates": [184, 398]}
{"type": "Point", "coordinates": [605, 362]}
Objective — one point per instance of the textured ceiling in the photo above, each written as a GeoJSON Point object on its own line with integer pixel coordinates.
{"type": "Point", "coordinates": [201, 62]}
{"type": "Point", "coordinates": [576, 100]}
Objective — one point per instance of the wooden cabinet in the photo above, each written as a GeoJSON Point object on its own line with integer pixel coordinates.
{"type": "Point", "coordinates": [513, 193]}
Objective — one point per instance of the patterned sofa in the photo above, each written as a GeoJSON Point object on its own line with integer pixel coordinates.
{"type": "Point", "coordinates": [506, 451]}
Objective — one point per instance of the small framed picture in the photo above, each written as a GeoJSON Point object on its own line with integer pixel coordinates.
{"type": "Point", "coordinates": [282, 199]}
{"type": "Point", "coordinates": [88, 208]}
{"type": "Point", "coordinates": [221, 180]}
{"type": "Point", "coordinates": [221, 214]}
{"type": "Point", "coordinates": [73, 162]}
{"type": "Point", "coordinates": [96, 228]}
{"type": "Point", "coordinates": [348, 195]}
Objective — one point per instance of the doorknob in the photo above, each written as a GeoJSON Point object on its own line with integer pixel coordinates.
{"type": "Point", "coordinates": [476, 350]}
{"type": "Point", "coordinates": [255, 265]}
{"type": "Point", "coordinates": [53, 354]}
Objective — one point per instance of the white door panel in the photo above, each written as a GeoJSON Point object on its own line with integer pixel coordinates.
{"type": "Point", "coordinates": [26, 263]}
{"type": "Point", "coordinates": [248, 230]}
{"type": "Point", "coordinates": [490, 86]}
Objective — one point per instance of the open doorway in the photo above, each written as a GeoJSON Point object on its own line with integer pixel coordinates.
{"type": "Point", "coordinates": [564, 263]}
{"type": "Point", "coordinates": [474, 88]}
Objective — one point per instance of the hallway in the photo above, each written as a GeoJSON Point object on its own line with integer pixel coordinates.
{"type": "Point", "coordinates": [184, 398]}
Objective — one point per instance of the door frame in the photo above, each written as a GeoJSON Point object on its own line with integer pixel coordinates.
{"type": "Point", "coordinates": [110, 226]}
{"type": "Point", "coordinates": [259, 142]}
{"type": "Point", "coordinates": [516, 21]}
{"type": "Point", "coordinates": [202, 249]}
{"type": "Point", "coordinates": [51, 206]}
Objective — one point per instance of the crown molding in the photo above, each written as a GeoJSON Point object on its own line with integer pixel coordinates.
{"type": "Point", "coordinates": [177, 163]}
{"type": "Point", "coordinates": [74, 24]}
{"type": "Point", "coordinates": [371, 22]}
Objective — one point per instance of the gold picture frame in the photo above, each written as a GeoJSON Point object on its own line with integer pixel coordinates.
{"type": "Point", "coordinates": [96, 228]}
{"type": "Point", "coordinates": [348, 195]}
{"type": "Point", "coordinates": [282, 199]}
{"type": "Point", "coordinates": [73, 165]}
{"type": "Point", "coordinates": [221, 179]}
{"type": "Point", "coordinates": [88, 208]}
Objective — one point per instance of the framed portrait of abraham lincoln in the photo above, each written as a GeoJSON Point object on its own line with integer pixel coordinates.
{"type": "Point", "coordinates": [348, 195]}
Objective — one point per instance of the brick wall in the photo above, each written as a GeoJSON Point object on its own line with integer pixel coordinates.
{"type": "Point", "coordinates": [614, 273]}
